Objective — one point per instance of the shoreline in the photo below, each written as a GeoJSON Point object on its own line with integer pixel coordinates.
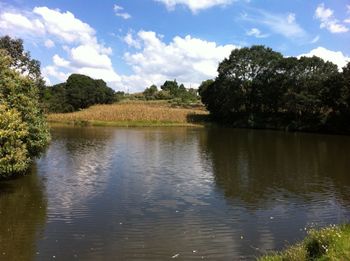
{"type": "Point", "coordinates": [87, 123]}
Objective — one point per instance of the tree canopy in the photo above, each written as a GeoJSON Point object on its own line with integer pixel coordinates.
{"type": "Point", "coordinates": [258, 87]}
{"type": "Point", "coordinates": [78, 92]}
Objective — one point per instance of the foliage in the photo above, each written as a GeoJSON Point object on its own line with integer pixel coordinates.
{"type": "Point", "coordinates": [170, 90]}
{"type": "Point", "coordinates": [150, 93]}
{"type": "Point", "coordinates": [330, 243]}
{"type": "Point", "coordinates": [78, 92]}
{"type": "Point", "coordinates": [22, 61]}
{"type": "Point", "coordinates": [257, 87]}
{"type": "Point", "coordinates": [13, 151]}
{"type": "Point", "coordinates": [19, 95]}
{"type": "Point", "coordinates": [119, 96]}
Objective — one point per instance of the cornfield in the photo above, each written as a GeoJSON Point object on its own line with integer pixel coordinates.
{"type": "Point", "coordinates": [132, 112]}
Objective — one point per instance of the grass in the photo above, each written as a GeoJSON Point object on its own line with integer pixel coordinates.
{"type": "Point", "coordinates": [134, 114]}
{"type": "Point", "coordinates": [330, 243]}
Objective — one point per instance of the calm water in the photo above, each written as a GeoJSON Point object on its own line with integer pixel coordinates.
{"type": "Point", "coordinates": [162, 193]}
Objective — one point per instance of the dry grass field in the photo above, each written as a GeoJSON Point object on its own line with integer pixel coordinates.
{"type": "Point", "coordinates": [134, 113]}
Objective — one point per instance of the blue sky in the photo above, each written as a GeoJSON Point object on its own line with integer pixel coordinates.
{"type": "Point", "coordinates": [132, 44]}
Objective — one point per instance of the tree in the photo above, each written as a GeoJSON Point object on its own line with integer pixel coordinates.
{"type": "Point", "coordinates": [258, 87]}
{"type": "Point", "coordinates": [171, 86]}
{"type": "Point", "coordinates": [119, 96]}
{"type": "Point", "coordinates": [150, 93]}
{"type": "Point", "coordinates": [21, 93]}
{"type": "Point", "coordinates": [78, 92]}
{"type": "Point", "coordinates": [23, 129]}
{"type": "Point", "coordinates": [22, 61]}
{"type": "Point", "coordinates": [346, 83]}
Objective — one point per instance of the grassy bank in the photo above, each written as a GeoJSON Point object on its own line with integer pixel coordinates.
{"type": "Point", "coordinates": [134, 114]}
{"type": "Point", "coordinates": [331, 243]}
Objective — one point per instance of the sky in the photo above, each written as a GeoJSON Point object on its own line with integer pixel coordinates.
{"type": "Point", "coordinates": [132, 44]}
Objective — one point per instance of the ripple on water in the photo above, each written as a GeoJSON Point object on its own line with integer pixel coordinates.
{"type": "Point", "coordinates": [154, 194]}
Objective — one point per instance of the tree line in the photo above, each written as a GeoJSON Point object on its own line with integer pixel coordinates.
{"type": "Point", "coordinates": [81, 91]}
{"type": "Point", "coordinates": [257, 87]}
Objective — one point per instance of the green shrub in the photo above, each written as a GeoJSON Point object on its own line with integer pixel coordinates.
{"type": "Point", "coordinates": [14, 156]}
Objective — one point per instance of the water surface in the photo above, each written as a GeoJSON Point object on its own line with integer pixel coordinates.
{"type": "Point", "coordinates": [163, 193]}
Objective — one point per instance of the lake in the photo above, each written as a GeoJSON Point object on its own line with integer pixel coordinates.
{"type": "Point", "coordinates": [173, 193]}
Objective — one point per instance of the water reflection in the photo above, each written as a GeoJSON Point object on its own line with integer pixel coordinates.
{"type": "Point", "coordinates": [156, 193]}
{"type": "Point", "coordinates": [258, 166]}
{"type": "Point", "coordinates": [283, 182]}
{"type": "Point", "coordinates": [22, 217]}
{"type": "Point", "coordinates": [76, 167]}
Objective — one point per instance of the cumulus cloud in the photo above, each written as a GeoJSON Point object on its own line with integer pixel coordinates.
{"type": "Point", "coordinates": [328, 21]}
{"type": "Point", "coordinates": [195, 5]}
{"type": "Point", "coordinates": [119, 11]}
{"type": "Point", "coordinates": [337, 58]}
{"type": "Point", "coordinates": [188, 60]}
{"type": "Point", "coordinates": [60, 62]}
{"type": "Point", "coordinates": [88, 56]}
{"type": "Point", "coordinates": [256, 33]}
{"type": "Point", "coordinates": [85, 54]}
{"type": "Point", "coordinates": [24, 25]}
{"type": "Point", "coordinates": [53, 71]}
{"type": "Point", "coordinates": [130, 41]}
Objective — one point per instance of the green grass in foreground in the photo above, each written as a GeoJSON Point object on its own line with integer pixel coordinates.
{"type": "Point", "coordinates": [331, 243]}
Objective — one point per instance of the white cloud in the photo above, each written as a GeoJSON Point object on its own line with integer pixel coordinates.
{"type": "Point", "coordinates": [129, 40]}
{"type": "Point", "coordinates": [49, 44]}
{"type": "Point", "coordinates": [23, 25]}
{"type": "Point", "coordinates": [315, 40]}
{"type": "Point", "coordinates": [65, 26]}
{"type": "Point", "coordinates": [188, 60]}
{"type": "Point", "coordinates": [108, 75]}
{"type": "Point", "coordinates": [88, 56]}
{"type": "Point", "coordinates": [85, 54]}
{"type": "Point", "coordinates": [283, 24]}
{"type": "Point", "coordinates": [337, 58]}
{"type": "Point", "coordinates": [195, 5]}
{"type": "Point", "coordinates": [60, 62]}
{"type": "Point", "coordinates": [256, 33]}
{"type": "Point", "coordinates": [53, 71]}
{"type": "Point", "coordinates": [328, 21]}
{"type": "Point", "coordinates": [118, 10]}
{"type": "Point", "coordinates": [291, 18]}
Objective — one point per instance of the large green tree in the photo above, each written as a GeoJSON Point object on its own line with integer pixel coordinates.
{"type": "Point", "coordinates": [78, 92]}
{"type": "Point", "coordinates": [23, 126]}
